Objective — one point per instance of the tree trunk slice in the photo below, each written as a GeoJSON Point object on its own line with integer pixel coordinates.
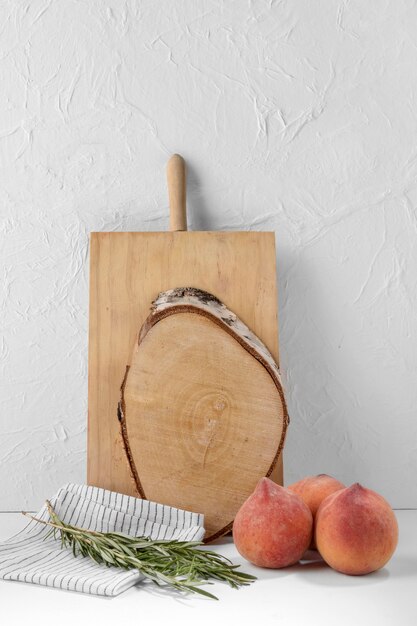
{"type": "Point", "coordinates": [202, 410]}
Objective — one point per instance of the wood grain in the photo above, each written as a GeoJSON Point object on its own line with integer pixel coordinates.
{"type": "Point", "coordinates": [202, 410]}
{"type": "Point", "coordinates": [177, 189]}
{"type": "Point", "coordinates": [127, 271]}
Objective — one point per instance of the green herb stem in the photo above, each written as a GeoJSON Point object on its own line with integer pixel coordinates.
{"type": "Point", "coordinates": [178, 564]}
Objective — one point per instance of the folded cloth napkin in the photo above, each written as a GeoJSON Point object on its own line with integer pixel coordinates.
{"type": "Point", "coordinates": [31, 558]}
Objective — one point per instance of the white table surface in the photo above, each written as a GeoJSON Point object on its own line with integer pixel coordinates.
{"type": "Point", "coordinates": [309, 593]}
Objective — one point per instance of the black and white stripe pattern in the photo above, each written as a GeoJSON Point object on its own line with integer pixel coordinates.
{"type": "Point", "coordinates": [29, 557]}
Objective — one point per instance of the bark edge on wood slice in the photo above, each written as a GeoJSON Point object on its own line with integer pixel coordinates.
{"type": "Point", "coordinates": [155, 432]}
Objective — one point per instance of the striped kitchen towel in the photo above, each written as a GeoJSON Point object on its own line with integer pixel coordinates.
{"type": "Point", "coordinates": [29, 557]}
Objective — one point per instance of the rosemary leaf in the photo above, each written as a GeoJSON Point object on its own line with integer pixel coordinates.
{"type": "Point", "coordinates": [178, 564]}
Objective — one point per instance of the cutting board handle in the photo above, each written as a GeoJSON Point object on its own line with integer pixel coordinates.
{"type": "Point", "coordinates": [177, 192]}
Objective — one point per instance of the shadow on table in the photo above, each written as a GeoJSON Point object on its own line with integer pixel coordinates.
{"type": "Point", "coordinates": [144, 586]}
{"type": "Point", "coordinates": [314, 570]}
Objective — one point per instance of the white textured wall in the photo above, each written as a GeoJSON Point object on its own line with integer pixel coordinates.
{"type": "Point", "coordinates": [298, 117]}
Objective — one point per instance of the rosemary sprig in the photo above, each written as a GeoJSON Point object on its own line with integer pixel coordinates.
{"type": "Point", "coordinates": [179, 564]}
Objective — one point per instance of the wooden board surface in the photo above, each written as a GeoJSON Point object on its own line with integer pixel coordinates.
{"type": "Point", "coordinates": [202, 410]}
{"type": "Point", "coordinates": [127, 271]}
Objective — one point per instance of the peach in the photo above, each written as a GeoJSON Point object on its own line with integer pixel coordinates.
{"type": "Point", "coordinates": [356, 530]}
{"type": "Point", "coordinates": [313, 490]}
{"type": "Point", "coordinates": [273, 527]}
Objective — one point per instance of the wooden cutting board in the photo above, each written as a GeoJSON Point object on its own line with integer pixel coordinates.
{"type": "Point", "coordinates": [127, 273]}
